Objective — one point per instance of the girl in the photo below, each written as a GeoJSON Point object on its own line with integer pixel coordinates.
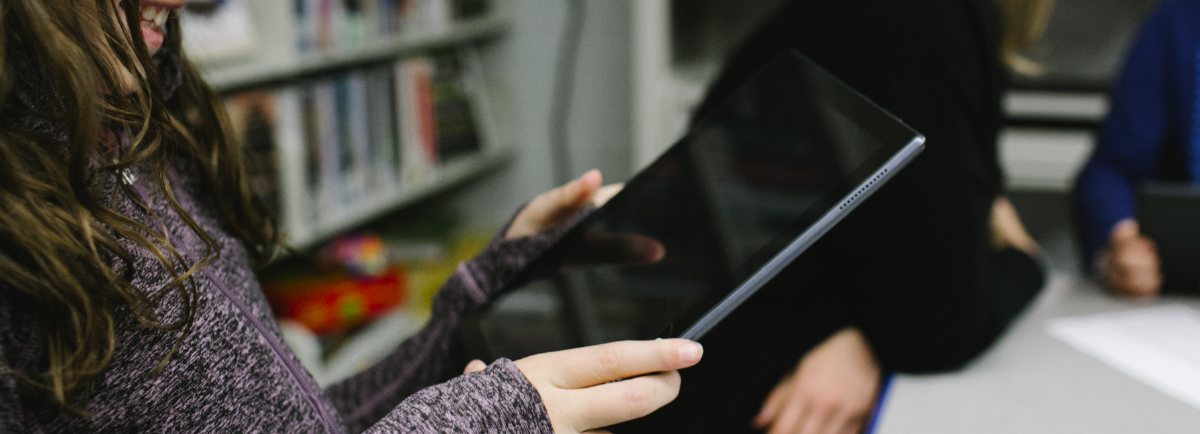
{"type": "Point", "coordinates": [127, 236]}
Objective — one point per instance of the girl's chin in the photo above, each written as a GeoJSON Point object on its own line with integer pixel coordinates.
{"type": "Point", "coordinates": [153, 37]}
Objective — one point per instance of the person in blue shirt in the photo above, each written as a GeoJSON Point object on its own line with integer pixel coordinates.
{"type": "Point", "coordinates": [1151, 133]}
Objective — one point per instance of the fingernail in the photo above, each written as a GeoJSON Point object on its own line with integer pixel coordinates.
{"type": "Point", "coordinates": [690, 352]}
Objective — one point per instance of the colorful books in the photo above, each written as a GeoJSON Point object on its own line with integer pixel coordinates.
{"type": "Point", "coordinates": [437, 114]}
{"type": "Point", "coordinates": [418, 128]}
{"type": "Point", "coordinates": [357, 138]}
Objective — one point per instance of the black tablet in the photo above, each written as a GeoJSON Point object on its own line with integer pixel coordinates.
{"type": "Point", "coordinates": [732, 203]}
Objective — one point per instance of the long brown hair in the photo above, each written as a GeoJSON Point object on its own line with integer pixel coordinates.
{"type": "Point", "coordinates": [58, 241]}
{"type": "Point", "coordinates": [1022, 24]}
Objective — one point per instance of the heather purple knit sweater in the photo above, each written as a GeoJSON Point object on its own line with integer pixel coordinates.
{"type": "Point", "coordinates": [233, 373]}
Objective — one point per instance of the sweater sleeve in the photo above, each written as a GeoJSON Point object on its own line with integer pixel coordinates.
{"type": "Point", "coordinates": [498, 399]}
{"type": "Point", "coordinates": [433, 355]}
{"type": "Point", "coordinates": [1131, 140]}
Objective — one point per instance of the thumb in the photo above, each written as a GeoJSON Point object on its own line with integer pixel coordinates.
{"type": "Point", "coordinates": [555, 207]}
{"type": "Point", "coordinates": [475, 366]}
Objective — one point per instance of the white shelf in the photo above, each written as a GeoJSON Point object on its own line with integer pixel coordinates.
{"type": "Point", "coordinates": [1043, 159]}
{"type": "Point", "coordinates": [1069, 106]}
{"type": "Point", "coordinates": [274, 69]}
{"type": "Point", "coordinates": [448, 175]}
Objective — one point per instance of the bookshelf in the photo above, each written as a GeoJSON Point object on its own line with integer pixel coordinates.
{"type": "Point", "coordinates": [318, 200]}
{"type": "Point", "coordinates": [268, 70]}
{"type": "Point", "coordinates": [449, 175]}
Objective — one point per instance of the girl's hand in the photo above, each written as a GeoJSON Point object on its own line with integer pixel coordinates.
{"type": "Point", "coordinates": [580, 387]}
{"type": "Point", "coordinates": [551, 209]}
{"type": "Point", "coordinates": [832, 391]}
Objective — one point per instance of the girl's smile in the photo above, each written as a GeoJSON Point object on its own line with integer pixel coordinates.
{"type": "Point", "coordinates": [154, 15]}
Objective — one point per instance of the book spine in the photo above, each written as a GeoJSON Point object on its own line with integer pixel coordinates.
{"type": "Point", "coordinates": [312, 151]}
{"type": "Point", "coordinates": [436, 15]}
{"type": "Point", "coordinates": [426, 112]}
{"type": "Point", "coordinates": [387, 16]}
{"type": "Point", "coordinates": [353, 25]}
{"type": "Point", "coordinates": [325, 100]}
{"type": "Point", "coordinates": [418, 141]}
{"type": "Point", "coordinates": [371, 19]}
{"type": "Point", "coordinates": [381, 110]}
{"type": "Point", "coordinates": [295, 196]}
{"type": "Point", "coordinates": [457, 132]}
{"type": "Point", "coordinates": [358, 125]}
{"type": "Point", "coordinates": [346, 169]}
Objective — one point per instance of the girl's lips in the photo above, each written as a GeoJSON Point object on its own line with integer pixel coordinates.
{"type": "Point", "coordinates": [152, 35]}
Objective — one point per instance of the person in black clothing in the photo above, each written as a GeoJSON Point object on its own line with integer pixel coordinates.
{"type": "Point", "coordinates": [923, 276]}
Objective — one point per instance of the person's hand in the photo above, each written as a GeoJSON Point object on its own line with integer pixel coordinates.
{"type": "Point", "coordinates": [1130, 264]}
{"type": "Point", "coordinates": [831, 392]}
{"type": "Point", "coordinates": [580, 387]}
{"type": "Point", "coordinates": [1007, 230]}
{"type": "Point", "coordinates": [552, 209]}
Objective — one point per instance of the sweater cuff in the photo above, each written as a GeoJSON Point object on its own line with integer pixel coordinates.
{"type": "Point", "coordinates": [495, 269]}
{"type": "Point", "coordinates": [497, 399]}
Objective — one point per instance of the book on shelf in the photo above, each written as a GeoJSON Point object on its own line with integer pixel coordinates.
{"type": "Point", "coordinates": [381, 113]}
{"type": "Point", "coordinates": [457, 125]}
{"type": "Point", "coordinates": [437, 114]}
{"type": "Point", "coordinates": [358, 174]}
{"type": "Point", "coordinates": [332, 24]}
{"type": "Point", "coordinates": [254, 117]}
{"type": "Point", "coordinates": [329, 145]}
{"type": "Point", "coordinates": [418, 128]}
{"type": "Point", "coordinates": [323, 149]}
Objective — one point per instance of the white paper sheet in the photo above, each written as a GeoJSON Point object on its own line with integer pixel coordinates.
{"type": "Point", "coordinates": [1159, 346]}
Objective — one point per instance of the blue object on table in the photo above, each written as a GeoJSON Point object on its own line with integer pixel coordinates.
{"type": "Point", "coordinates": [885, 385]}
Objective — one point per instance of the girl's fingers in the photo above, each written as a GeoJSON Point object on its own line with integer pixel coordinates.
{"type": "Point", "coordinates": [599, 364]}
{"type": "Point", "coordinates": [605, 193]}
{"type": "Point", "coordinates": [580, 390]}
{"type": "Point", "coordinates": [555, 207]}
{"type": "Point", "coordinates": [613, 403]}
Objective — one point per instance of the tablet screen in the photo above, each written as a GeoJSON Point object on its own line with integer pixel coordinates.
{"type": "Point", "coordinates": [786, 150]}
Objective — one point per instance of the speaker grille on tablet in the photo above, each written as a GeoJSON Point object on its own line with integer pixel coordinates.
{"type": "Point", "coordinates": [862, 190]}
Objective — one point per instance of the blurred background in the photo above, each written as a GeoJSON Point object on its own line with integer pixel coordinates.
{"type": "Point", "coordinates": [395, 137]}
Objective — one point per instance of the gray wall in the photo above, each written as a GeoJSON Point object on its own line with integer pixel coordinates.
{"type": "Point", "coordinates": [521, 70]}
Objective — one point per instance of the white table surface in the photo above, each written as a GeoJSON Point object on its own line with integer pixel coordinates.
{"type": "Point", "coordinates": [1032, 383]}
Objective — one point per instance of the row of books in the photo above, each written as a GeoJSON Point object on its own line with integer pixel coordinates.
{"type": "Point", "coordinates": [331, 24]}
{"type": "Point", "coordinates": [363, 134]}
